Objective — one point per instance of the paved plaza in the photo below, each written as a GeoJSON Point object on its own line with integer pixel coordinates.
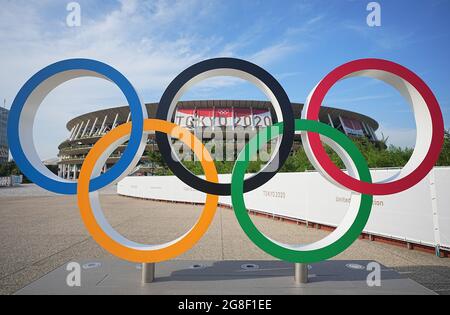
{"type": "Point", "coordinates": [41, 231]}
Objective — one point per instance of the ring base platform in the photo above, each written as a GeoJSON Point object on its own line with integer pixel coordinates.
{"type": "Point", "coordinates": [263, 278]}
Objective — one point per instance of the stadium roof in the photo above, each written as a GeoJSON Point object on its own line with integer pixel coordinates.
{"type": "Point", "coordinates": [152, 108]}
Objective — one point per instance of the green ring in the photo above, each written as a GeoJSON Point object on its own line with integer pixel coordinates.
{"type": "Point", "coordinates": [269, 246]}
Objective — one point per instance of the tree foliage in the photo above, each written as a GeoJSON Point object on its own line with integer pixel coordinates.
{"type": "Point", "coordinates": [378, 155]}
{"type": "Point", "coordinates": [9, 169]}
{"type": "Point", "coordinates": [444, 159]}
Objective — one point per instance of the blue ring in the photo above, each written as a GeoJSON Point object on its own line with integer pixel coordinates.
{"type": "Point", "coordinates": [137, 116]}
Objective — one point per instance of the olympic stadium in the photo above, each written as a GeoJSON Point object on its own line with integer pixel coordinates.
{"type": "Point", "coordinates": [235, 117]}
{"type": "Point", "coordinates": [4, 151]}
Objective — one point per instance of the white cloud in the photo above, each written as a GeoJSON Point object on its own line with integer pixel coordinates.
{"type": "Point", "coordinates": [273, 53]}
{"type": "Point", "coordinates": [400, 137]}
{"type": "Point", "coordinates": [383, 38]}
{"type": "Point", "coordinates": [356, 99]}
{"type": "Point", "coordinates": [149, 42]}
{"type": "Point", "coordinates": [126, 38]}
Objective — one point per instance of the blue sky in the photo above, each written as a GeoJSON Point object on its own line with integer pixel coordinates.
{"type": "Point", "coordinates": [299, 42]}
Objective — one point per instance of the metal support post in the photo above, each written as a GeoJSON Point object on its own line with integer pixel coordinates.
{"type": "Point", "coordinates": [148, 273]}
{"type": "Point", "coordinates": [301, 273]}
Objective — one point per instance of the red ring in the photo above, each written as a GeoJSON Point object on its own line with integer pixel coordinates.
{"type": "Point", "coordinates": [436, 117]}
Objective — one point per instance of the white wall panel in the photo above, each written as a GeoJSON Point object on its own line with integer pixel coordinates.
{"type": "Point", "coordinates": [442, 177]}
{"type": "Point", "coordinates": [405, 216]}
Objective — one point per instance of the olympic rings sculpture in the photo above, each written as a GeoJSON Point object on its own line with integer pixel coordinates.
{"type": "Point", "coordinates": [430, 139]}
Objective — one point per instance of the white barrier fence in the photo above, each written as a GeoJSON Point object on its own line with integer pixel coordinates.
{"type": "Point", "coordinates": [11, 181]}
{"type": "Point", "coordinates": [420, 215]}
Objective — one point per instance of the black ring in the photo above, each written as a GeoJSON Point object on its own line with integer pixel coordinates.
{"type": "Point", "coordinates": [286, 144]}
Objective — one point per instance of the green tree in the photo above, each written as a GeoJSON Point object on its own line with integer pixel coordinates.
{"type": "Point", "coordinates": [8, 169]}
{"type": "Point", "coordinates": [444, 159]}
{"type": "Point", "coordinates": [11, 168]}
{"type": "Point", "coordinates": [377, 154]}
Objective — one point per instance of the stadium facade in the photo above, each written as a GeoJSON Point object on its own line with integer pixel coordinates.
{"type": "Point", "coordinates": [238, 121]}
{"type": "Point", "coordinates": [4, 149]}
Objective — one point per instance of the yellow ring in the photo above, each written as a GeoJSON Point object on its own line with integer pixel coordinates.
{"type": "Point", "coordinates": [172, 250]}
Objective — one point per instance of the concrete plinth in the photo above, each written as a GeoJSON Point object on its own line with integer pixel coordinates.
{"type": "Point", "coordinates": [224, 278]}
